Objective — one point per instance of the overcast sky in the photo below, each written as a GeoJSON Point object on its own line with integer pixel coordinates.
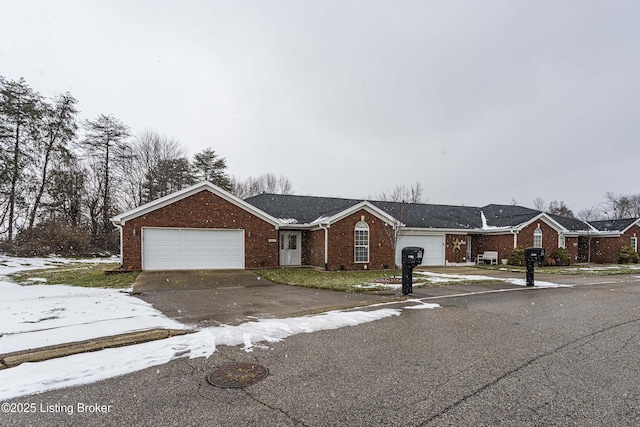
{"type": "Point", "coordinates": [480, 101]}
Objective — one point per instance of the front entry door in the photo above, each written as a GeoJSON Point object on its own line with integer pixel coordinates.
{"type": "Point", "coordinates": [290, 253]}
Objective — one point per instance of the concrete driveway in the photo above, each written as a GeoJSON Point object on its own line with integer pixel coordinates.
{"type": "Point", "coordinates": [213, 297]}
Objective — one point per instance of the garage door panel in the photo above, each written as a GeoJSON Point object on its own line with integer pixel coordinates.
{"type": "Point", "coordinates": [188, 249]}
{"type": "Point", "coordinates": [433, 248]}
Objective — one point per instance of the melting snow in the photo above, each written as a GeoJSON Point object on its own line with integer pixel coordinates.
{"type": "Point", "coordinates": [40, 315]}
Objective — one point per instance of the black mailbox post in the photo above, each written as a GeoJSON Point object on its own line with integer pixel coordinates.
{"type": "Point", "coordinates": [532, 256]}
{"type": "Point", "coordinates": [411, 257]}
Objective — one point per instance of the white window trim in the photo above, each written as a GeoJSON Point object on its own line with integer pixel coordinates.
{"type": "Point", "coordinates": [360, 226]}
{"type": "Point", "coordinates": [634, 243]}
{"type": "Point", "coordinates": [562, 242]}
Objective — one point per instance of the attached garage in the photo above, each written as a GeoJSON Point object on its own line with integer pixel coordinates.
{"type": "Point", "coordinates": [191, 248]}
{"type": "Point", "coordinates": [433, 248]}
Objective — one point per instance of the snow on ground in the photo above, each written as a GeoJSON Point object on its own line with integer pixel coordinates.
{"type": "Point", "coordinates": [30, 378]}
{"type": "Point", "coordinates": [40, 315]}
{"type": "Point", "coordinates": [462, 278]}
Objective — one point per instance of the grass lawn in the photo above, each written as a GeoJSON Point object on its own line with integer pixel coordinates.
{"type": "Point", "coordinates": [350, 281]}
{"type": "Point", "coordinates": [80, 274]}
{"type": "Point", "coordinates": [346, 281]}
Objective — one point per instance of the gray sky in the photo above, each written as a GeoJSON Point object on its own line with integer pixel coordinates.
{"type": "Point", "coordinates": [480, 101]}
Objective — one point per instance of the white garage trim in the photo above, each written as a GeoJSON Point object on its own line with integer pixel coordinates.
{"type": "Point", "coordinates": [433, 247]}
{"type": "Point", "coordinates": [171, 248]}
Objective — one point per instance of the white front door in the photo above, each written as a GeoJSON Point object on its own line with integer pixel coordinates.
{"type": "Point", "coordinates": [290, 253]}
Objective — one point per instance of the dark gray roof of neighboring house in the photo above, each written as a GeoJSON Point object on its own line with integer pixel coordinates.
{"type": "Point", "coordinates": [570, 224]}
{"type": "Point", "coordinates": [304, 209]}
{"type": "Point", "coordinates": [432, 216]}
{"type": "Point", "coordinates": [507, 215]}
{"type": "Point", "coordinates": [307, 209]}
{"type": "Point", "coordinates": [613, 224]}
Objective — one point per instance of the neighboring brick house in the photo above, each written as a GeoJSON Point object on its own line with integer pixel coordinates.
{"type": "Point", "coordinates": [612, 236]}
{"type": "Point", "coordinates": [205, 227]}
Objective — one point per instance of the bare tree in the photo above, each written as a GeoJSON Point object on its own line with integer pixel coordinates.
{"type": "Point", "coordinates": [590, 214]}
{"type": "Point", "coordinates": [402, 193]}
{"type": "Point", "coordinates": [539, 204]}
{"type": "Point", "coordinates": [265, 183]}
{"type": "Point", "coordinates": [618, 206]}
{"type": "Point", "coordinates": [560, 208]}
{"type": "Point", "coordinates": [139, 160]}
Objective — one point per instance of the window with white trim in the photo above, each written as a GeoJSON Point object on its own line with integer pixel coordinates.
{"type": "Point", "coordinates": [562, 242]}
{"type": "Point", "coordinates": [537, 238]}
{"type": "Point", "coordinates": [634, 243]}
{"type": "Point", "coordinates": [361, 242]}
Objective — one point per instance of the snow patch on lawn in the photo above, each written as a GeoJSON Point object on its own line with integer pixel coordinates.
{"type": "Point", "coordinates": [42, 315]}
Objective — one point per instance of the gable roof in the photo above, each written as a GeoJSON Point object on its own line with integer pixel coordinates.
{"type": "Point", "coordinates": [292, 209]}
{"type": "Point", "coordinates": [299, 209]}
{"type": "Point", "coordinates": [508, 215]}
{"type": "Point", "coordinates": [614, 224]}
{"type": "Point", "coordinates": [186, 192]}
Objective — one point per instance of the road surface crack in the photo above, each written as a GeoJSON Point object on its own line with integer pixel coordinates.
{"type": "Point", "coordinates": [519, 368]}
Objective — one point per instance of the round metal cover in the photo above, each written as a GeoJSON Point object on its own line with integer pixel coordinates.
{"type": "Point", "coordinates": [238, 375]}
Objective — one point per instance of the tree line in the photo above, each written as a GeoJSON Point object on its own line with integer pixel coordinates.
{"type": "Point", "coordinates": [63, 178]}
{"type": "Point", "coordinates": [615, 206]}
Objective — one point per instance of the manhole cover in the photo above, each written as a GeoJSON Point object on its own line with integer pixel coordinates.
{"type": "Point", "coordinates": [238, 375]}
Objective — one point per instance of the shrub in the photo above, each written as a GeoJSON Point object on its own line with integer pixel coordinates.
{"type": "Point", "coordinates": [628, 255]}
{"type": "Point", "coordinates": [517, 256]}
{"type": "Point", "coordinates": [51, 238]}
{"type": "Point", "coordinates": [561, 256]}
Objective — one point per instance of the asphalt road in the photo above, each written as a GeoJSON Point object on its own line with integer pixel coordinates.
{"type": "Point", "coordinates": [527, 357]}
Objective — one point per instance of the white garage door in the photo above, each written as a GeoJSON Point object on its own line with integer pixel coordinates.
{"type": "Point", "coordinates": [433, 248]}
{"type": "Point", "coordinates": [191, 249]}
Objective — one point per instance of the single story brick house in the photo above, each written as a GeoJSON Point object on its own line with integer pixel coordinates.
{"type": "Point", "coordinates": [206, 227]}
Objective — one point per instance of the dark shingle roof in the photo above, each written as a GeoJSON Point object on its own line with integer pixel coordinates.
{"type": "Point", "coordinates": [613, 224]}
{"type": "Point", "coordinates": [307, 209]}
{"type": "Point", "coordinates": [304, 209]}
{"type": "Point", "coordinates": [432, 216]}
{"type": "Point", "coordinates": [570, 224]}
{"type": "Point", "coordinates": [507, 215]}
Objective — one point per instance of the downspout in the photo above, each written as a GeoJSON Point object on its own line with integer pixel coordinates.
{"type": "Point", "coordinates": [326, 246]}
{"type": "Point", "coordinates": [121, 231]}
{"type": "Point", "coordinates": [515, 238]}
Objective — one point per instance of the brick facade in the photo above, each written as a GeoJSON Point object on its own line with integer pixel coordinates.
{"type": "Point", "coordinates": [604, 250]}
{"type": "Point", "coordinates": [341, 244]}
{"type": "Point", "coordinates": [204, 210]}
{"type": "Point", "coordinates": [210, 209]}
{"type": "Point", "coordinates": [452, 255]}
{"type": "Point", "coordinates": [503, 243]}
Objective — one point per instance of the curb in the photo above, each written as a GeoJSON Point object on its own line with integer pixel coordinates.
{"type": "Point", "coordinates": [14, 359]}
